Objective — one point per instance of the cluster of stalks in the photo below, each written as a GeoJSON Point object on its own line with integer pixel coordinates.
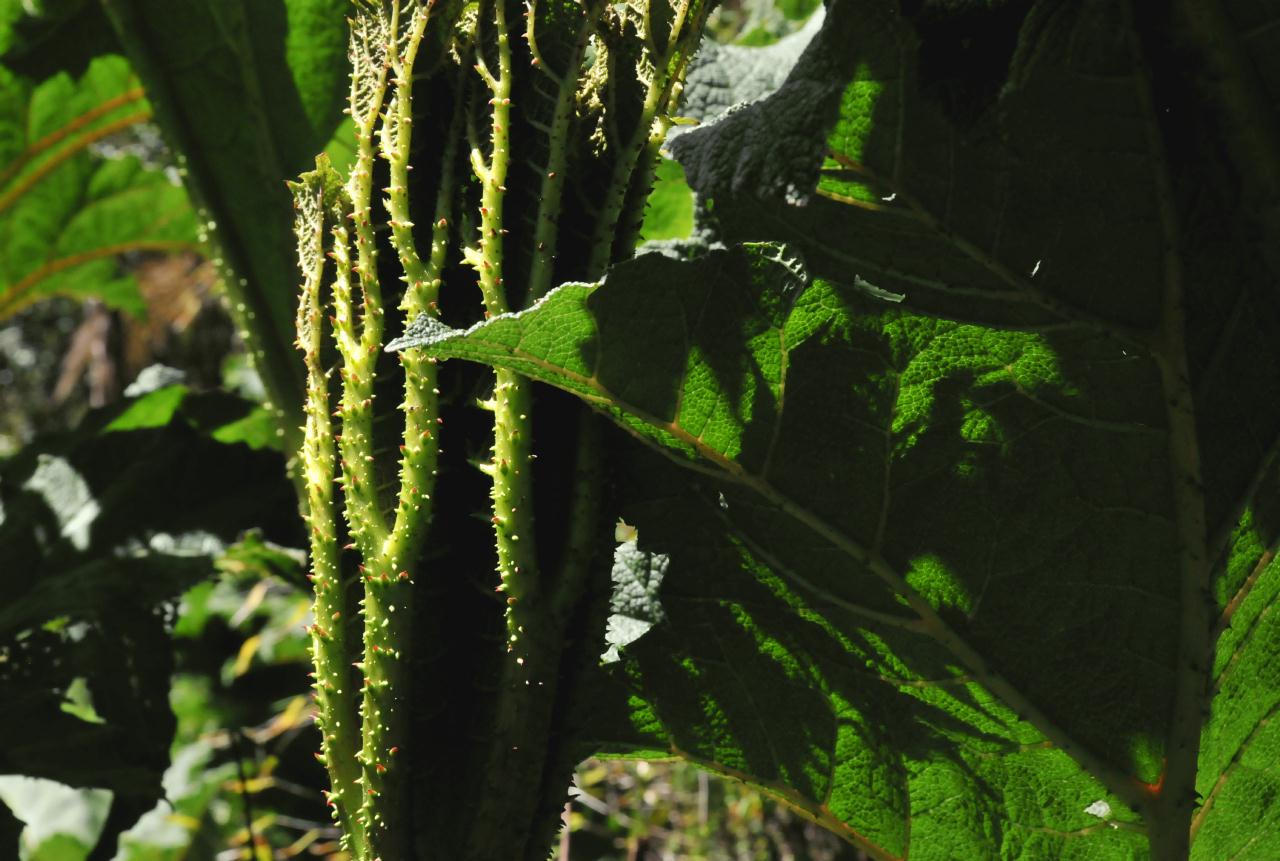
{"type": "Point", "coordinates": [588, 87]}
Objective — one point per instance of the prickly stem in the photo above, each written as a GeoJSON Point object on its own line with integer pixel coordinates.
{"type": "Point", "coordinates": [387, 580]}
{"type": "Point", "coordinates": [316, 203]}
{"type": "Point", "coordinates": [494, 176]}
{"type": "Point", "coordinates": [512, 491]}
{"type": "Point", "coordinates": [386, 36]}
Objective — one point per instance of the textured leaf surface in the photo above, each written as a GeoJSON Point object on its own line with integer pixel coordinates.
{"type": "Point", "coordinates": [955, 547]}
{"type": "Point", "coordinates": [870, 456]}
{"type": "Point", "coordinates": [1066, 191]}
{"type": "Point", "coordinates": [766, 114]}
{"type": "Point", "coordinates": [724, 76]}
{"type": "Point", "coordinates": [1040, 170]}
{"type": "Point", "coordinates": [66, 213]}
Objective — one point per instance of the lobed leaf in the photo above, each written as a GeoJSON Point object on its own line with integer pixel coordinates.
{"type": "Point", "coordinates": [66, 214]}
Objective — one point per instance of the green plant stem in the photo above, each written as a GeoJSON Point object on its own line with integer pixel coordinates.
{"type": "Point", "coordinates": [631, 215]}
{"type": "Point", "coordinates": [388, 582]}
{"type": "Point", "coordinates": [630, 219]}
{"type": "Point", "coordinates": [390, 590]}
{"type": "Point", "coordinates": [364, 520]}
{"type": "Point", "coordinates": [527, 679]}
{"type": "Point", "coordinates": [493, 174]}
{"type": "Point", "coordinates": [512, 402]}
{"type": "Point", "coordinates": [620, 179]}
{"type": "Point", "coordinates": [511, 469]}
{"type": "Point", "coordinates": [337, 711]}
{"type": "Point", "coordinates": [360, 346]}
{"type": "Point", "coordinates": [420, 449]}
{"type": "Point", "coordinates": [396, 139]}
{"type": "Point", "coordinates": [584, 516]}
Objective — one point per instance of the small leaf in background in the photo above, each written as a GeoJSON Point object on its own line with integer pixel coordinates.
{"type": "Point", "coordinates": [54, 36]}
{"type": "Point", "coordinates": [254, 558]}
{"type": "Point", "coordinates": [635, 607]}
{"type": "Point", "coordinates": [62, 823]}
{"type": "Point", "coordinates": [728, 76]}
{"type": "Point", "coordinates": [669, 214]}
{"type": "Point", "coordinates": [102, 528]}
{"type": "Point", "coordinates": [271, 81]}
{"type": "Point", "coordinates": [67, 214]}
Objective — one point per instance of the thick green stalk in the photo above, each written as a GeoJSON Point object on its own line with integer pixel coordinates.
{"type": "Point", "coordinates": [396, 139]}
{"type": "Point", "coordinates": [630, 217]}
{"type": "Point", "coordinates": [420, 449]}
{"type": "Point", "coordinates": [337, 713]}
{"type": "Point", "coordinates": [386, 607]}
{"type": "Point", "coordinates": [360, 345]}
{"type": "Point", "coordinates": [512, 402]}
{"type": "Point", "coordinates": [392, 575]}
{"type": "Point", "coordinates": [512, 474]}
{"type": "Point", "coordinates": [620, 179]}
{"type": "Point", "coordinates": [386, 37]}
{"type": "Point", "coordinates": [364, 520]}
{"type": "Point", "coordinates": [526, 686]}
{"type": "Point", "coordinates": [493, 172]}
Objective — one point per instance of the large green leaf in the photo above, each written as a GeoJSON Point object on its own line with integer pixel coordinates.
{"type": "Point", "coordinates": [1074, 167]}
{"type": "Point", "coordinates": [882, 482]}
{"type": "Point", "coordinates": [1015, 482]}
{"type": "Point", "coordinates": [67, 214]}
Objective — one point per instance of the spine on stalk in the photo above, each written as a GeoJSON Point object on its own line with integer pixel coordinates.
{"type": "Point", "coordinates": [316, 201]}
